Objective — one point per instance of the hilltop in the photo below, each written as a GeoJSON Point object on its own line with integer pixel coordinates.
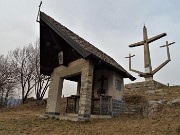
{"type": "Point", "coordinates": [28, 119]}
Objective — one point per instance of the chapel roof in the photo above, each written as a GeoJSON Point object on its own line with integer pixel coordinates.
{"type": "Point", "coordinates": [83, 47]}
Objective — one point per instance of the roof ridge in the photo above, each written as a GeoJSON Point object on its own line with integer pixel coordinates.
{"type": "Point", "coordinates": [78, 36]}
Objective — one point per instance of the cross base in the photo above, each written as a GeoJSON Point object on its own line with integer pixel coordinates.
{"type": "Point", "coordinates": [149, 78]}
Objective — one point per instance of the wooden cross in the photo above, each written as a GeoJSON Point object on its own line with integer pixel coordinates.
{"type": "Point", "coordinates": [130, 56]}
{"type": "Point", "coordinates": [148, 72]}
{"type": "Point", "coordinates": [102, 79]}
{"type": "Point", "coordinates": [168, 57]}
{"type": "Point", "coordinates": [145, 43]}
{"type": "Point", "coordinates": [167, 46]}
{"type": "Point", "coordinates": [101, 90]}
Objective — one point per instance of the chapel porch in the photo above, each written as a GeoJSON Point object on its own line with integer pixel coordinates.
{"type": "Point", "coordinates": [99, 92]}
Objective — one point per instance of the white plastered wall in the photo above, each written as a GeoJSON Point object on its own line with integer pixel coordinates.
{"type": "Point", "coordinates": [116, 93]}
{"type": "Point", "coordinates": [109, 84]}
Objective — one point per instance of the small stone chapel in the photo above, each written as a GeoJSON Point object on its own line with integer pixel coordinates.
{"type": "Point", "coordinates": [65, 55]}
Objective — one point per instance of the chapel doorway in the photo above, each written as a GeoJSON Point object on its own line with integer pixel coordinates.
{"type": "Point", "coordinates": [71, 95]}
{"type": "Point", "coordinates": [69, 88]}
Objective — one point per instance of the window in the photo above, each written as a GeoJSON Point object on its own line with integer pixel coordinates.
{"type": "Point", "coordinates": [118, 84]}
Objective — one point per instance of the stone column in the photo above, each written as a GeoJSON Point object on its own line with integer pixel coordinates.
{"type": "Point", "coordinates": [86, 91]}
{"type": "Point", "coordinates": [54, 96]}
{"type": "Point", "coordinates": [78, 86]}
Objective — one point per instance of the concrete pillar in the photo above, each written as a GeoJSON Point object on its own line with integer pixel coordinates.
{"type": "Point", "coordinates": [86, 91]}
{"type": "Point", "coordinates": [54, 96]}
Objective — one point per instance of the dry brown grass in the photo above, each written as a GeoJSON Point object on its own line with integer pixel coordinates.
{"type": "Point", "coordinates": [24, 119]}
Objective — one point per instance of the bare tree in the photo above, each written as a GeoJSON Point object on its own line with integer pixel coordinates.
{"type": "Point", "coordinates": [41, 81]}
{"type": "Point", "coordinates": [24, 62]}
{"type": "Point", "coordinates": [21, 68]}
{"type": "Point", "coordinates": [7, 80]}
{"type": "Point", "coordinates": [42, 84]}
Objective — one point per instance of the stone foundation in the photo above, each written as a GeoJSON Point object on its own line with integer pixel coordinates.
{"type": "Point", "coordinates": [147, 85]}
{"type": "Point", "coordinates": [134, 104]}
{"type": "Point", "coordinates": [117, 107]}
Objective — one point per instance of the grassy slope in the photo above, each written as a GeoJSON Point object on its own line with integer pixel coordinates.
{"type": "Point", "coordinates": [24, 119]}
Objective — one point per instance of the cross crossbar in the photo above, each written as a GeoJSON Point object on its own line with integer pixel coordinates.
{"type": "Point", "coordinates": [167, 44]}
{"type": "Point", "coordinates": [130, 56]}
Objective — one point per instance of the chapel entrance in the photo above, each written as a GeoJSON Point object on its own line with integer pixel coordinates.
{"type": "Point", "coordinates": [72, 101]}
{"type": "Point", "coordinates": [100, 101]}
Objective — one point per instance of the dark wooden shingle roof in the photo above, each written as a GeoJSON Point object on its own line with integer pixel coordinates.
{"type": "Point", "coordinates": [83, 47]}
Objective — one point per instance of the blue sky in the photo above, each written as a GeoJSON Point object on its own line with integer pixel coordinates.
{"type": "Point", "coordinates": [109, 25]}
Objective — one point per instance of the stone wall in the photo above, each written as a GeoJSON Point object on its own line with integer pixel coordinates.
{"type": "Point", "coordinates": [134, 104]}
{"type": "Point", "coordinates": [117, 107]}
{"type": "Point", "coordinates": [86, 91]}
{"type": "Point", "coordinates": [146, 85]}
